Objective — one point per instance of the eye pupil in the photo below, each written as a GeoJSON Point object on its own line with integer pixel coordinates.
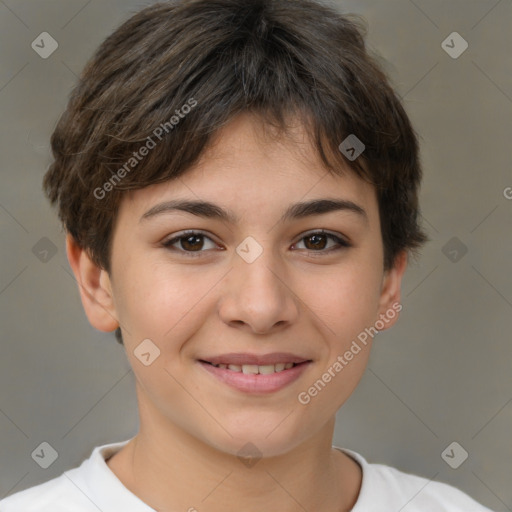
{"type": "Point", "coordinates": [186, 242]}
{"type": "Point", "coordinates": [318, 240]}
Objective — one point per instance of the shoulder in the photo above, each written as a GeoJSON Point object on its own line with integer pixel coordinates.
{"type": "Point", "coordinates": [424, 494]}
{"type": "Point", "coordinates": [57, 495]}
{"type": "Point", "coordinates": [384, 487]}
{"type": "Point", "coordinates": [85, 488]}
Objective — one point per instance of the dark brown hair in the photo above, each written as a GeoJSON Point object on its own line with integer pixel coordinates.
{"type": "Point", "coordinates": [219, 58]}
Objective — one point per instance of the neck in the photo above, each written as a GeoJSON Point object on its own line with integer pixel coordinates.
{"type": "Point", "coordinates": [169, 469]}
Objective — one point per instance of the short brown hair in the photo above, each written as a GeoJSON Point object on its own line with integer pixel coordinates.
{"type": "Point", "coordinates": [274, 58]}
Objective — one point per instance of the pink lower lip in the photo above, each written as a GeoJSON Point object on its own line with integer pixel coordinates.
{"type": "Point", "coordinates": [256, 383]}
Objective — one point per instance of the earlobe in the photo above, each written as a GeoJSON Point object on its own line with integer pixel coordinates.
{"type": "Point", "coordinates": [391, 290]}
{"type": "Point", "coordinates": [94, 286]}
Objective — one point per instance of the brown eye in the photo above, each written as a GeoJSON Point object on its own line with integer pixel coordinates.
{"type": "Point", "coordinates": [188, 243]}
{"type": "Point", "coordinates": [192, 242]}
{"type": "Point", "coordinates": [318, 241]}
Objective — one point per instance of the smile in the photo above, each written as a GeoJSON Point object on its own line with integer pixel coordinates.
{"type": "Point", "coordinates": [256, 379]}
{"type": "Point", "coordinates": [254, 368]}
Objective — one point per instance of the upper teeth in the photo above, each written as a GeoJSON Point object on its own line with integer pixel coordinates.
{"type": "Point", "coordinates": [254, 368]}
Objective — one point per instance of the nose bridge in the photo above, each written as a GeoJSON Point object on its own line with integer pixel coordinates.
{"type": "Point", "coordinates": [256, 268]}
{"type": "Point", "coordinates": [257, 294]}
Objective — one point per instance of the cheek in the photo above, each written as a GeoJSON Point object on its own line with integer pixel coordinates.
{"type": "Point", "coordinates": [345, 308]}
{"type": "Point", "coordinates": [346, 300]}
{"type": "Point", "coordinates": [162, 303]}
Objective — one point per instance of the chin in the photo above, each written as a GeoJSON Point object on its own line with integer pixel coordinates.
{"type": "Point", "coordinates": [258, 441]}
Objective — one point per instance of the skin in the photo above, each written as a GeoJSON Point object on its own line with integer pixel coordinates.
{"type": "Point", "coordinates": [293, 298]}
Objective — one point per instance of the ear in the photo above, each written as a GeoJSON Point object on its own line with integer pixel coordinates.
{"type": "Point", "coordinates": [94, 286]}
{"type": "Point", "coordinates": [391, 291]}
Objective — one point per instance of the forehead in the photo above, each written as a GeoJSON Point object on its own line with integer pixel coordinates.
{"type": "Point", "coordinates": [254, 171]}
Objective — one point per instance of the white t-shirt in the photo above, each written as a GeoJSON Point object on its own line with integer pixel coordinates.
{"type": "Point", "coordinates": [93, 487]}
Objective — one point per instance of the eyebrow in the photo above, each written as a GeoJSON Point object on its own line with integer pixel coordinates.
{"type": "Point", "coordinates": [295, 211]}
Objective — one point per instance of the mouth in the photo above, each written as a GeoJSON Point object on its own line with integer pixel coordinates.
{"type": "Point", "coordinates": [255, 378]}
{"type": "Point", "coordinates": [254, 369]}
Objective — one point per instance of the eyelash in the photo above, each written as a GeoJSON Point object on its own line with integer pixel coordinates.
{"type": "Point", "coordinates": [343, 244]}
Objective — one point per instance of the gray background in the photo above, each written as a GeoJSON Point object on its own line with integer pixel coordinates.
{"type": "Point", "coordinates": [442, 374]}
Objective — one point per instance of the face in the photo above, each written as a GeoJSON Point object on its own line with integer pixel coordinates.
{"type": "Point", "coordinates": [202, 286]}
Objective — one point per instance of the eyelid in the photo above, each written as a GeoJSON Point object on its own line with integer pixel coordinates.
{"type": "Point", "coordinates": [168, 241]}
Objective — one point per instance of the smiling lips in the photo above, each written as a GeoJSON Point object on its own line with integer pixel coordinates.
{"type": "Point", "coordinates": [256, 369]}
{"type": "Point", "coordinates": [254, 359]}
{"type": "Point", "coordinates": [256, 364]}
{"type": "Point", "coordinates": [256, 374]}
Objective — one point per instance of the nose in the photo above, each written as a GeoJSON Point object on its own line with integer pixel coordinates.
{"type": "Point", "coordinates": [258, 296]}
